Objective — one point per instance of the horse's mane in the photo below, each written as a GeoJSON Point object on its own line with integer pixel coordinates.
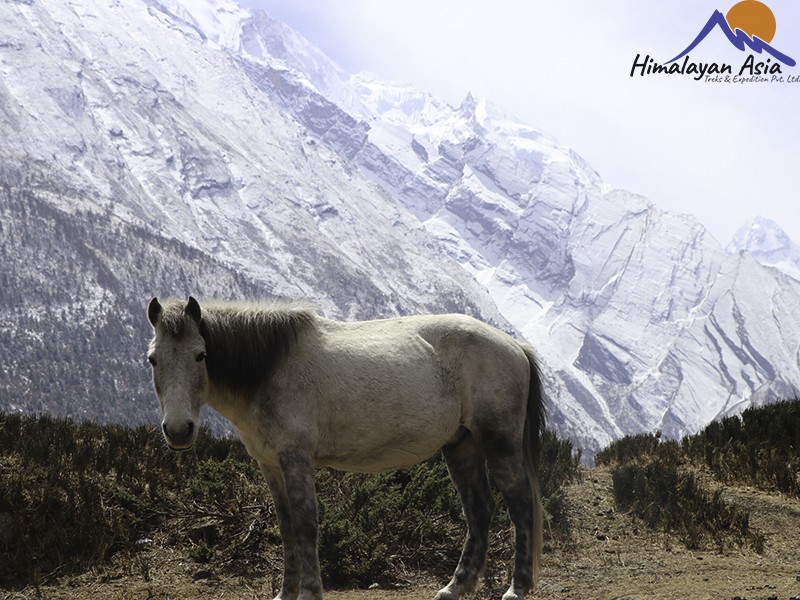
{"type": "Point", "coordinates": [245, 342]}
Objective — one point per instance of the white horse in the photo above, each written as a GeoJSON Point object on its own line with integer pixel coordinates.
{"type": "Point", "coordinates": [304, 391]}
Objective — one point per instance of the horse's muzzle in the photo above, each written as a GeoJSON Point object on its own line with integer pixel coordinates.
{"type": "Point", "coordinates": [179, 437]}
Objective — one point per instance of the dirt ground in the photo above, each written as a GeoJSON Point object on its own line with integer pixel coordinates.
{"type": "Point", "coordinates": [610, 555]}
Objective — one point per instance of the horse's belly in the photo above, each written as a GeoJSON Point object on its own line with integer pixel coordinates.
{"type": "Point", "coordinates": [376, 463]}
{"type": "Point", "coordinates": [378, 445]}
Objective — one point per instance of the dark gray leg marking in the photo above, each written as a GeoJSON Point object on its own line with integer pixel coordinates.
{"type": "Point", "coordinates": [509, 474]}
{"type": "Point", "coordinates": [298, 478]}
{"type": "Point", "coordinates": [467, 469]}
{"type": "Point", "coordinates": [291, 563]}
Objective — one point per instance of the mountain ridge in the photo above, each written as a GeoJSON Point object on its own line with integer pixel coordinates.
{"type": "Point", "coordinates": [769, 244]}
{"type": "Point", "coordinates": [225, 131]}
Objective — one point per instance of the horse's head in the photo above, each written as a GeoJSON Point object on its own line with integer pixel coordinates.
{"type": "Point", "coordinates": [177, 354]}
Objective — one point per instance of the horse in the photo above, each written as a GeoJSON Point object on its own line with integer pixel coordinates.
{"type": "Point", "coordinates": [304, 391]}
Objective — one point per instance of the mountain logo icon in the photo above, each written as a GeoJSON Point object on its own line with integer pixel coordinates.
{"type": "Point", "coordinates": [748, 24]}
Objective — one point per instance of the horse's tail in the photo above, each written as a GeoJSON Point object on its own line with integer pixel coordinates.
{"type": "Point", "coordinates": [534, 427]}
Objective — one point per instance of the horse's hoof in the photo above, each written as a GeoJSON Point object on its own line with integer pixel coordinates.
{"type": "Point", "coordinates": [447, 593]}
{"type": "Point", "coordinates": [512, 594]}
{"type": "Point", "coordinates": [310, 595]}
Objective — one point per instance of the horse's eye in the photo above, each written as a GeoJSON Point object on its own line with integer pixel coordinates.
{"type": "Point", "coordinates": [151, 360]}
{"type": "Point", "coordinates": [201, 357]}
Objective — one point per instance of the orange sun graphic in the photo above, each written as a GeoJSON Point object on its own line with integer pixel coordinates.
{"type": "Point", "coordinates": [754, 18]}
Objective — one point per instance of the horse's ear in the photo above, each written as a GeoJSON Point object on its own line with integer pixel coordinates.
{"type": "Point", "coordinates": [154, 311]}
{"type": "Point", "coordinates": [193, 310]}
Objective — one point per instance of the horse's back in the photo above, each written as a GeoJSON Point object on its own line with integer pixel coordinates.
{"type": "Point", "coordinates": [450, 341]}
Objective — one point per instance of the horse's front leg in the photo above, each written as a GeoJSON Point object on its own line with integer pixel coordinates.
{"type": "Point", "coordinates": [298, 477]}
{"type": "Point", "coordinates": [291, 564]}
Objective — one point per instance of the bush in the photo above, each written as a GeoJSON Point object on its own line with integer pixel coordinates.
{"type": "Point", "coordinates": [77, 493]}
{"type": "Point", "coordinates": [653, 479]}
{"type": "Point", "coordinates": [73, 495]}
{"type": "Point", "coordinates": [374, 526]}
{"type": "Point", "coordinates": [761, 447]}
{"type": "Point", "coordinates": [630, 448]}
{"type": "Point", "coordinates": [559, 463]}
{"type": "Point", "coordinates": [672, 500]}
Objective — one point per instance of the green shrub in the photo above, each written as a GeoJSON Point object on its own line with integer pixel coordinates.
{"type": "Point", "coordinates": [672, 500]}
{"type": "Point", "coordinates": [201, 553]}
{"type": "Point", "coordinates": [761, 447]}
{"type": "Point", "coordinates": [213, 482]}
{"type": "Point", "coordinates": [79, 493]}
{"type": "Point", "coordinates": [629, 448]}
{"type": "Point", "coordinates": [374, 526]}
{"type": "Point", "coordinates": [654, 480]}
{"type": "Point", "coordinates": [559, 463]}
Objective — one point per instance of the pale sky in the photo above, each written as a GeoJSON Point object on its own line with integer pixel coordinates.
{"type": "Point", "coordinates": [722, 152]}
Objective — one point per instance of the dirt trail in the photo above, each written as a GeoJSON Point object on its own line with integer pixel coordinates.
{"type": "Point", "coordinates": [610, 555]}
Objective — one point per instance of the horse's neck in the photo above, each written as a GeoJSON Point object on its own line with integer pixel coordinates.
{"type": "Point", "coordinates": [230, 405]}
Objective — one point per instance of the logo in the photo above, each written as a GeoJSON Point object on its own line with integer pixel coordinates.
{"type": "Point", "coordinates": [750, 27]}
{"type": "Point", "coordinates": [749, 24]}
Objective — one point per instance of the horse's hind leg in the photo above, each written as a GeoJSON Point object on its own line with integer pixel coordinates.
{"type": "Point", "coordinates": [508, 472]}
{"type": "Point", "coordinates": [468, 471]}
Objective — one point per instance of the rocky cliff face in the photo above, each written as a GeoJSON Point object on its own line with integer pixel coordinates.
{"type": "Point", "coordinates": [207, 149]}
{"type": "Point", "coordinates": [644, 321]}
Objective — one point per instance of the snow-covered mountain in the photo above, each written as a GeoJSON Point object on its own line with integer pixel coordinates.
{"type": "Point", "coordinates": [205, 148]}
{"type": "Point", "coordinates": [769, 245]}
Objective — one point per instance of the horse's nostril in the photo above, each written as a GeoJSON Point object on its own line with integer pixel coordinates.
{"type": "Point", "coordinates": [180, 436]}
